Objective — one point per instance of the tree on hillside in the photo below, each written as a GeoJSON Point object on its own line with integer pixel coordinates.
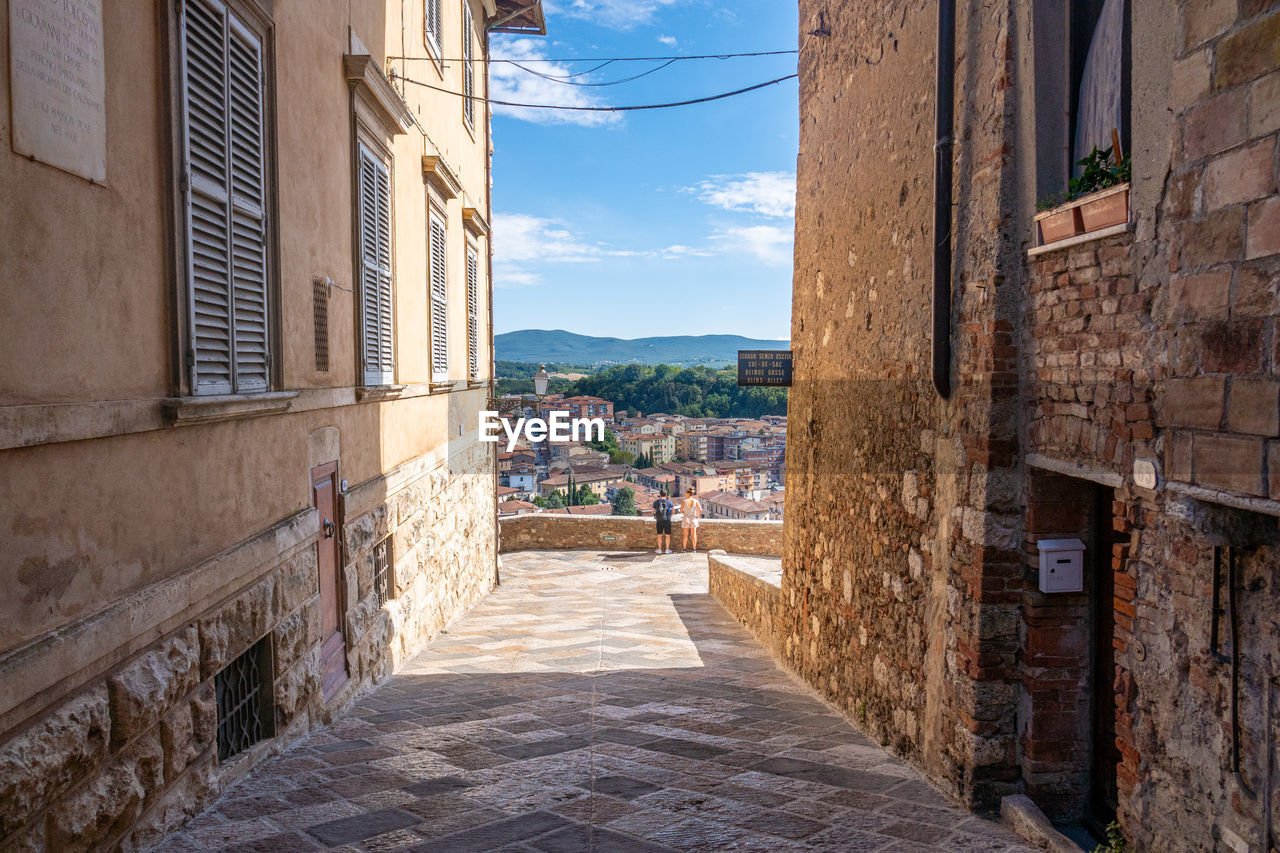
{"type": "Point", "coordinates": [624, 502]}
{"type": "Point", "coordinates": [586, 497]}
{"type": "Point", "coordinates": [554, 501]}
{"type": "Point", "coordinates": [622, 457]}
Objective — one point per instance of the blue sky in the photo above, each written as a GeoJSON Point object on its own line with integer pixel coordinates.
{"type": "Point", "coordinates": [661, 222]}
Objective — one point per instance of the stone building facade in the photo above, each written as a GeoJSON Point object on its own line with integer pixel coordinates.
{"type": "Point", "coordinates": [1080, 373]}
{"type": "Point", "coordinates": [240, 478]}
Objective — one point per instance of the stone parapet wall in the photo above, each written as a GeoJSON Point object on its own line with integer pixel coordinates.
{"type": "Point", "coordinates": [130, 755]}
{"type": "Point", "coordinates": [543, 532]}
{"type": "Point", "coordinates": [751, 596]}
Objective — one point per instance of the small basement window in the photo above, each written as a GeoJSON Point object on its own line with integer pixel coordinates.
{"type": "Point", "coordinates": [245, 712]}
{"type": "Point", "coordinates": [383, 571]}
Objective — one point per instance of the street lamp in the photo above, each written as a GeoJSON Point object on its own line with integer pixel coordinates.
{"type": "Point", "coordinates": [540, 380]}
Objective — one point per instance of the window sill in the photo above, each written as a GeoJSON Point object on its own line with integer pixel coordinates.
{"type": "Point", "coordinates": [445, 387]}
{"type": "Point", "coordinates": [1080, 239]}
{"type": "Point", "coordinates": [374, 393]}
{"type": "Point", "coordinates": [185, 411]}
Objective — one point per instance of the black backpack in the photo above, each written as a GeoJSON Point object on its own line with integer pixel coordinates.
{"type": "Point", "coordinates": [662, 509]}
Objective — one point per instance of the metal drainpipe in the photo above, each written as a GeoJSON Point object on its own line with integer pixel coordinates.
{"type": "Point", "coordinates": [493, 357]}
{"type": "Point", "coordinates": [943, 147]}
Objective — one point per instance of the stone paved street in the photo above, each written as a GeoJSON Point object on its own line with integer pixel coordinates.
{"type": "Point", "coordinates": [592, 702]}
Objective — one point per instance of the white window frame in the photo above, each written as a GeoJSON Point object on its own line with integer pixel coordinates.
{"type": "Point", "coordinates": [438, 292]}
{"type": "Point", "coordinates": [468, 66]}
{"type": "Point", "coordinates": [433, 25]}
{"type": "Point", "coordinates": [473, 312]}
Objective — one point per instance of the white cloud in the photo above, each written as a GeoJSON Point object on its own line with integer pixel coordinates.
{"type": "Point", "coordinates": [615, 14]}
{"type": "Point", "coordinates": [669, 41]}
{"type": "Point", "coordinates": [507, 276]}
{"type": "Point", "coordinates": [518, 238]}
{"type": "Point", "coordinates": [677, 251]}
{"type": "Point", "coordinates": [767, 243]}
{"type": "Point", "coordinates": [509, 83]}
{"type": "Point", "coordinates": [765, 193]}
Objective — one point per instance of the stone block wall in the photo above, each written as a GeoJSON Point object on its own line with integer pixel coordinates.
{"type": "Point", "coordinates": [542, 532]}
{"type": "Point", "coordinates": [754, 599]}
{"type": "Point", "coordinates": [903, 568]}
{"type": "Point", "coordinates": [132, 755]}
{"type": "Point", "coordinates": [1221, 405]}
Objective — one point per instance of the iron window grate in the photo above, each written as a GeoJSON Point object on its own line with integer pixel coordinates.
{"type": "Point", "coordinates": [382, 570]}
{"type": "Point", "coordinates": [244, 707]}
{"type": "Point", "coordinates": [320, 299]}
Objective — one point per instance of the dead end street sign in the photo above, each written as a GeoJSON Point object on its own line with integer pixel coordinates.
{"type": "Point", "coordinates": [769, 367]}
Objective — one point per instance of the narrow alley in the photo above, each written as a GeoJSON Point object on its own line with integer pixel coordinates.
{"type": "Point", "coordinates": [592, 701]}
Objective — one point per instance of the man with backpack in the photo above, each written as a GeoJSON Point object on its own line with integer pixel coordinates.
{"type": "Point", "coordinates": [663, 509]}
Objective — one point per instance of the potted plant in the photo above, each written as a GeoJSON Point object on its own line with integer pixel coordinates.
{"type": "Point", "coordinates": [1098, 199]}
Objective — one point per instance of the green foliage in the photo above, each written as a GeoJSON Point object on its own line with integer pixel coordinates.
{"type": "Point", "coordinates": [622, 457]}
{"type": "Point", "coordinates": [609, 445]}
{"type": "Point", "coordinates": [522, 370]}
{"type": "Point", "coordinates": [1100, 172]}
{"type": "Point", "coordinates": [692, 391]}
{"type": "Point", "coordinates": [1115, 840]}
{"type": "Point", "coordinates": [586, 497]}
{"type": "Point", "coordinates": [553, 501]}
{"type": "Point", "coordinates": [624, 502]}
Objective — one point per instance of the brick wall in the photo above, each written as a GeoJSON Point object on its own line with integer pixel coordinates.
{"type": "Point", "coordinates": [1095, 356]}
{"type": "Point", "coordinates": [541, 532]}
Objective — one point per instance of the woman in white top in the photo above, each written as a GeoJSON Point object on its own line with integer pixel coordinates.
{"type": "Point", "coordinates": [692, 509]}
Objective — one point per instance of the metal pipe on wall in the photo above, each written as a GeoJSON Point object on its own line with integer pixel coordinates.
{"type": "Point", "coordinates": [943, 147]}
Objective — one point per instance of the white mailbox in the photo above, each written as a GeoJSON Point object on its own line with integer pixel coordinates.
{"type": "Point", "coordinates": [1061, 565]}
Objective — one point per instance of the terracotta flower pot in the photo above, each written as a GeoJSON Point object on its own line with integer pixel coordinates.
{"type": "Point", "coordinates": [1059, 224]}
{"type": "Point", "coordinates": [1106, 208]}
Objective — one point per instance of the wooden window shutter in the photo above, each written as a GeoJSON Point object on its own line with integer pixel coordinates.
{"type": "Point", "coordinates": [468, 65]}
{"type": "Point", "coordinates": [432, 14]}
{"type": "Point", "coordinates": [439, 301]}
{"type": "Point", "coordinates": [473, 314]}
{"type": "Point", "coordinates": [223, 79]}
{"type": "Point", "coordinates": [376, 312]}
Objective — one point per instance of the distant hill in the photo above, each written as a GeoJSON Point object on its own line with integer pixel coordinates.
{"type": "Point", "coordinates": [541, 346]}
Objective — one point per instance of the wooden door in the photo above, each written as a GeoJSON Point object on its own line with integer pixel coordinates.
{"type": "Point", "coordinates": [333, 648]}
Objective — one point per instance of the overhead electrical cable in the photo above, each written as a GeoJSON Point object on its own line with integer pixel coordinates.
{"type": "Point", "coordinates": [567, 82]}
{"type": "Point", "coordinates": [690, 102]}
{"type": "Point", "coordinates": [608, 59]}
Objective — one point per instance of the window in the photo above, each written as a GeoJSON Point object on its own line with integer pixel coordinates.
{"type": "Point", "coordinates": [1082, 61]}
{"type": "Point", "coordinates": [382, 571]}
{"type": "Point", "coordinates": [243, 694]}
{"type": "Point", "coordinates": [473, 313]}
{"type": "Point", "coordinates": [432, 24]}
{"type": "Point", "coordinates": [225, 201]}
{"type": "Point", "coordinates": [468, 65]}
{"type": "Point", "coordinates": [439, 300]}
{"type": "Point", "coordinates": [375, 269]}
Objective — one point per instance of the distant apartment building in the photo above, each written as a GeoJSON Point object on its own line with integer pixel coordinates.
{"type": "Point", "coordinates": [246, 294]}
{"type": "Point", "coordinates": [515, 508]}
{"type": "Point", "coordinates": [703, 479]}
{"type": "Point", "coordinates": [655, 446]}
{"type": "Point", "coordinates": [656, 479]}
{"type": "Point", "coordinates": [731, 506]}
{"type": "Point", "coordinates": [578, 407]}
{"type": "Point", "coordinates": [692, 445]}
{"type": "Point", "coordinates": [597, 479]}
